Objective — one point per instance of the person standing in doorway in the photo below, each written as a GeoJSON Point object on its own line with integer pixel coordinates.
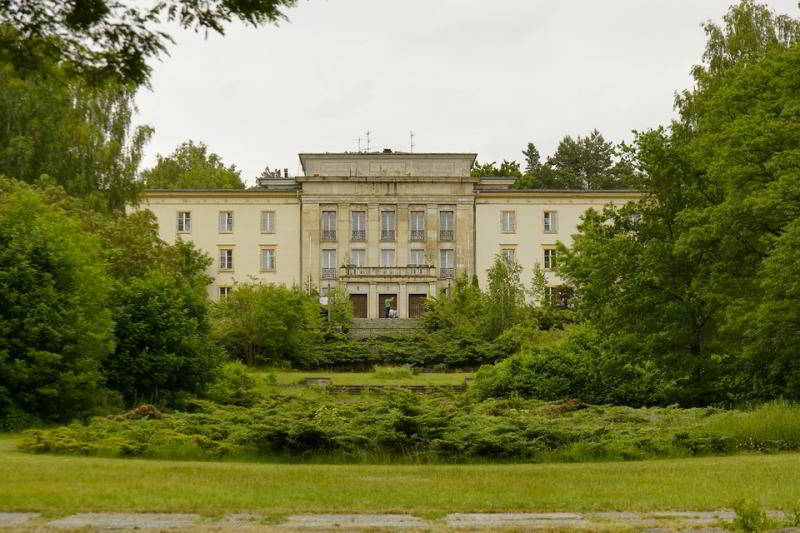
{"type": "Point", "coordinates": [387, 306]}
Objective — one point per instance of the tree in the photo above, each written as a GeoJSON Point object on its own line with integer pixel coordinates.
{"type": "Point", "coordinates": [192, 166]}
{"type": "Point", "coordinates": [81, 137]}
{"type": "Point", "coordinates": [163, 348]}
{"type": "Point", "coordinates": [692, 271]}
{"type": "Point", "coordinates": [588, 162]}
{"type": "Point", "coordinates": [55, 326]}
{"type": "Point", "coordinates": [506, 169]}
{"type": "Point", "coordinates": [506, 295]}
{"type": "Point", "coordinates": [104, 40]}
{"type": "Point", "coordinates": [532, 159]}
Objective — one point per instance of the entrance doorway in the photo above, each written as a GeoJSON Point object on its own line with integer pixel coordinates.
{"type": "Point", "coordinates": [359, 302]}
{"type": "Point", "coordinates": [382, 298]}
{"type": "Point", "coordinates": [416, 305]}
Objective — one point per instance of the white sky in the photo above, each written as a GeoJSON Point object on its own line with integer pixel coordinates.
{"type": "Point", "coordinates": [464, 75]}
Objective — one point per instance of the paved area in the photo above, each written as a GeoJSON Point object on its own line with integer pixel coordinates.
{"type": "Point", "coordinates": [650, 522]}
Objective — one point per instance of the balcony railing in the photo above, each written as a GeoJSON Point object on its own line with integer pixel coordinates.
{"type": "Point", "coordinates": [447, 273]}
{"type": "Point", "coordinates": [328, 235]}
{"type": "Point", "coordinates": [410, 271]}
{"type": "Point", "coordinates": [387, 235]}
{"type": "Point", "coordinates": [359, 235]}
{"type": "Point", "coordinates": [445, 235]}
{"type": "Point", "coordinates": [329, 273]}
{"type": "Point", "coordinates": [417, 234]}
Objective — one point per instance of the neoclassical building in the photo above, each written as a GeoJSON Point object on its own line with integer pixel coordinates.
{"type": "Point", "coordinates": [396, 226]}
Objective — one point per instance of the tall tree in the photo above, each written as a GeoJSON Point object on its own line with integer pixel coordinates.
{"type": "Point", "coordinates": [192, 166]}
{"type": "Point", "coordinates": [588, 162]}
{"type": "Point", "coordinates": [81, 137]}
{"type": "Point", "coordinates": [106, 40]}
{"type": "Point", "coordinates": [532, 159]}
{"type": "Point", "coordinates": [506, 169]}
{"type": "Point", "coordinates": [691, 275]}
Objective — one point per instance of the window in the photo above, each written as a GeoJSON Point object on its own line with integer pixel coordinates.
{"type": "Point", "coordinates": [358, 258]}
{"type": "Point", "coordinates": [446, 264]}
{"type": "Point", "coordinates": [387, 258]}
{"type": "Point", "coordinates": [387, 225]}
{"type": "Point", "coordinates": [329, 264]}
{"type": "Point", "coordinates": [267, 259]}
{"type": "Point", "coordinates": [509, 254]}
{"type": "Point", "coordinates": [417, 225]}
{"type": "Point", "coordinates": [445, 225]}
{"type": "Point", "coordinates": [560, 296]}
{"type": "Point", "coordinates": [328, 226]}
{"type": "Point", "coordinates": [184, 221]}
{"type": "Point", "coordinates": [267, 221]}
{"type": "Point", "coordinates": [509, 222]}
{"type": "Point", "coordinates": [550, 222]}
{"type": "Point", "coordinates": [226, 221]}
{"type": "Point", "coordinates": [226, 258]}
{"type": "Point", "coordinates": [416, 258]}
{"type": "Point", "coordinates": [359, 221]}
{"type": "Point", "coordinates": [224, 292]}
{"type": "Point", "coordinates": [549, 258]}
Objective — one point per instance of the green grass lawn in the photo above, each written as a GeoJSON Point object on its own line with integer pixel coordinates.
{"type": "Point", "coordinates": [289, 377]}
{"type": "Point", "coordinates": [65, 484]}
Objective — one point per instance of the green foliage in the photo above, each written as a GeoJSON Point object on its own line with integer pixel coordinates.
{"type": "Point", "coordinates": [192, 166]}
{"type": "Point", "coordinates": [235, 385]}
{"type": "Point", "coordinates": [398, 426]}
{"type": "Point", "coordinates": [750, 518]}
{"type": "Point", "coordinates": [270, 324]}
{"type": "Point", "coordinates": [506, 295]}
{"type": "Point", "coordinates": [506, 169]}
{"type": "Point", "coordinates": [163, 349]}
{"type": "Point", "coordinates": [55, 128]}
{"type": "Point", "coordinates": [55, 326]}
{"type": "Point", "coordinates": [106, 40]}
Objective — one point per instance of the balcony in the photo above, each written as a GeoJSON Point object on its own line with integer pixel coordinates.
{"type": "Point", "coordinates": [416, 272]}
{"type": "Point", "coordinates": [387, 235]}
{"type": "Point", "coordinates": [417, 234]}
{"type": "Point", "coordinates": [447, 273]}
{"type": "Point", "coordinates": [329, 273]}
{"type": "Point", "coordinates": [359, 235]}
{"type": "Point", "coordinates": [445, 235]}
{"type": "Point", "coordinates": [328, 235]}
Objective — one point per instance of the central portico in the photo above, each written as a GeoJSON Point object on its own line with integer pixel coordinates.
{"type": "Point", "coordinates": [387, 226]}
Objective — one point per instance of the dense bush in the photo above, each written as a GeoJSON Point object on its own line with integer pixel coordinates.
{"type": "Point", "coordinates": [402, 426]}
{"type": "Point", "coordinates": [55, 325]}
{"type": "Point", "coordinates": [579, 365]}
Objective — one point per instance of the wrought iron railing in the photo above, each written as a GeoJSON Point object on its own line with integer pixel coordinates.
{"type": "Point", "coordinates": [359, 235]}
{"type": "Point", "coordinates": [328, 235]}
{"type": "Point", "coordinates": [410, 271]}
{"type": "Point", "coordinates": [417, 234]}
{"type": "Point", "coordinates": [445, 235]}
{"type": "Point", "coordinates": [329, 273]}
{"type": "Point", "coordinates": [447, 273]}
{"type": "Point", "coordinates": [387, 235]}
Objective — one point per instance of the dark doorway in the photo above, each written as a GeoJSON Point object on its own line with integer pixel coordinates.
{"type": "Point", "coordinates": [382, 304]}
{"type": "Point", "coordinates": [359, 302]}
{"type": "Point", "coordinates": [416, 305]}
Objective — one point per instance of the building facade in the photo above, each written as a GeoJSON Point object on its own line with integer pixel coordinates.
{"type": "Point", "coordinates": [384, 226]}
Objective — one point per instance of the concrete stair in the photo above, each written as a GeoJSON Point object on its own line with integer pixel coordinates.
{"type": "Point", "coordinates": [364, 328]}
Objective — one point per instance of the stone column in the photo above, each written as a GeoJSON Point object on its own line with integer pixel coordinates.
{"type": "Point", "coordinates": [402, 300]}
{"type": "Point", "coordinates": [432, 234]}
{"type": "Point", "coordinates": [343, 233]}
{"type": "Point", "coordinates": [373, 234]}
{"type": "Point", "coordinates": [372, 301]}
{"type": "Point", "coordinates": [310, 243]}
{"type": "Point", "coordinates": [463, 239]}
{"type": "Point", "coordinates": [401, 236]}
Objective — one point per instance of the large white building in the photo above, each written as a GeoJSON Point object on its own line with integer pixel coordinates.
{"type": "Point", "coordinates": [396, 226]}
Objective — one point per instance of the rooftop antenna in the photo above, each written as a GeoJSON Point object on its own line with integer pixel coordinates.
{"type": "Point", "coordinates": [411, 134]}
{"type": "Point", "coordinates": [367, 134]}
{"type": "Point", "coordinates": [359, 144]}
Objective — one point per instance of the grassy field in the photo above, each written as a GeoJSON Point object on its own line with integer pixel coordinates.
{"type": "Point", "coordinates": [63, 484]}
{"type": "Point", "coordinates": [289, 377]}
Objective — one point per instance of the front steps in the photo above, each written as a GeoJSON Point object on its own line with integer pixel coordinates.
{"type": "Point", "coordinates": [364, 328]}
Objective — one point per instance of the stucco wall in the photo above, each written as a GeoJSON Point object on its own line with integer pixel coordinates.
{"type": "Point", "coordinates": [246, 240]}
{"type": "Point", "coordinates": [529, 240]}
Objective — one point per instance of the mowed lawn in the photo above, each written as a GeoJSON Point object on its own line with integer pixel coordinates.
{"type": "Point", "coordinates": [61, 484]}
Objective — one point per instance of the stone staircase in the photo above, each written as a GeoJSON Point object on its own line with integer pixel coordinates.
{"type": "Point", "coordinates": [364, 328]}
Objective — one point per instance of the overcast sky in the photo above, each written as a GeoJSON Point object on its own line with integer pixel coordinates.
{"type": "Point", "coordinates": [463, 75]}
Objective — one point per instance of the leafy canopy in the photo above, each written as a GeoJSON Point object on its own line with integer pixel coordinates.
{"type": "Point", "coordinates": [192, 166]}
